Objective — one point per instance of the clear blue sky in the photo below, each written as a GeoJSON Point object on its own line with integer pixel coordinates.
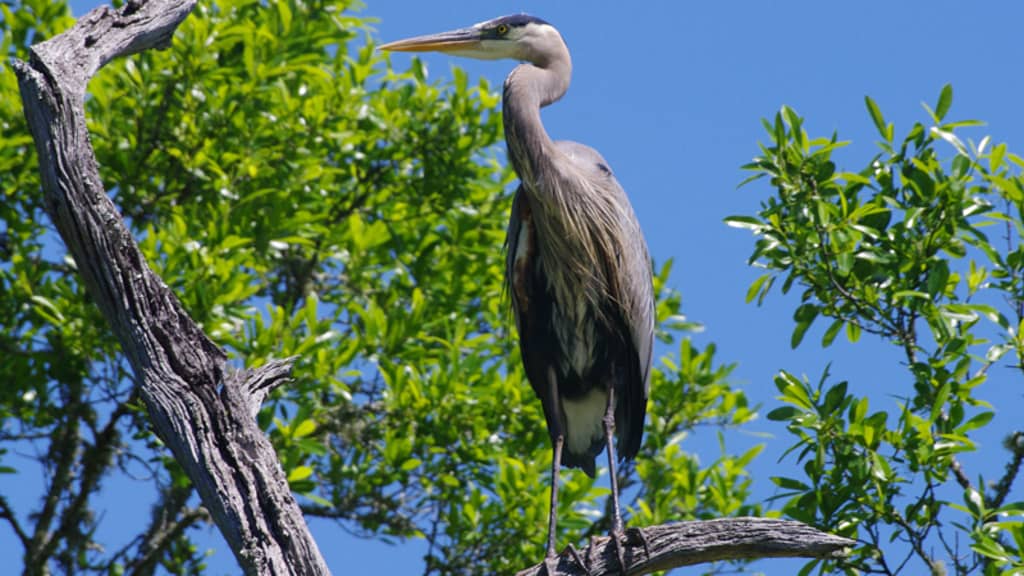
{"type": "Point", "coordinates": [672, 94]}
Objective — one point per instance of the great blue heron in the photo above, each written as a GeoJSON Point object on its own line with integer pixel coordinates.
{"type": "Point", "coordinates": [577, 266]}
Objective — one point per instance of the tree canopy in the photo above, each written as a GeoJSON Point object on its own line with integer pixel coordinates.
{"type": "Point", "coordinates": [302, 198]}
{"type": "Point", "coordinates": [305, 199]}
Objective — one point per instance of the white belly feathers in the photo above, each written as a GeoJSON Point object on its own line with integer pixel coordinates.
{"type": "Point", "coordinates": [584, 419]}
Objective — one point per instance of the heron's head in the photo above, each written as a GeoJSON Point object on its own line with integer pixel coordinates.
{"type": "Point", "coordinates": [519, 37]}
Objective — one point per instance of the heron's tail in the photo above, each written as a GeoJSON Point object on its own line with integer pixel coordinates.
{"type": "Point", "coordinates": [584, 461]}
{"type": "Point", "coordinates": [629, 422]}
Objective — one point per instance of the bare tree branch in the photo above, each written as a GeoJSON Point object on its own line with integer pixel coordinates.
{"type": "Point", "coordinates": [1015, 444]}
{"type": "Point", "coordinates": [201, 411]}
{"type": "Point", "coordinates": [62, 450]}
{"type": "Point", "coordinates": [171, 517]}
{"type": "Point", "coordinates": [7, 513]}
{"type": "Point", "coordinates": [687, 543]}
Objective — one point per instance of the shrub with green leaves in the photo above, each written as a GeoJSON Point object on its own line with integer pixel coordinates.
{"type": "Point", "coordinates": [921, 249]}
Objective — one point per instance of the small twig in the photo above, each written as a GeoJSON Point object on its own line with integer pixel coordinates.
{"type": "Point", "coordinates": [165, 530]}
{"type": "Point", "coordinates": [7, 514]}
{"type": "Point", "coordinates": [93, 463]}
{"type": "Point", "coordinates": [959, 474]}
{"type": "Point", "coordinates": [62, 452]}
{"type": "Point", "coordinates": [1014, 443]}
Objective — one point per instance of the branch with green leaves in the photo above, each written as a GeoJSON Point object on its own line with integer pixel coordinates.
{"type": "Point", "coordinates": [902, 249]}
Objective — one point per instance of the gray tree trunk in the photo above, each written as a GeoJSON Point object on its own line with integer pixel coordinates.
{"type": "Point", "coordinates": [202, 410]}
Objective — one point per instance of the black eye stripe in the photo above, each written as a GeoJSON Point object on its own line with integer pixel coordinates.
{"type": "Point", "coordinates": [514, 21]}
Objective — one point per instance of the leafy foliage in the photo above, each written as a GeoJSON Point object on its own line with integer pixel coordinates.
{"type": "Point", "coordinates": [303, 198]}
{"type": "Point", "coordinates": [924, 253]}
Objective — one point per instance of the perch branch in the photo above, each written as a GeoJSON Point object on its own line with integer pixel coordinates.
{"type": "Point", "coordinates": [687, 543]}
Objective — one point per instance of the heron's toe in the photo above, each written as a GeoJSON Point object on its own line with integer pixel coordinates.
{"type": "Point", "coordinates": [551, 564]}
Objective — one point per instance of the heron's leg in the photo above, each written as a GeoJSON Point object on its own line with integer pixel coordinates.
{"type": "Point", "coordinates": [585, 566]}
{"type": "Point", "coordinates": [550, 561]}
{"type": "Point", "coordinates": [591, 549]}
{"type": "Point", "coordinates": [635, 537]}
{"type": "Point", "coordinates": [609, 429]}
{"type": "Point", "coordinates": [551, 558]}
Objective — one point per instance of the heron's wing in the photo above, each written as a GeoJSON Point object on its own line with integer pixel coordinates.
{"type": "Point", "coordinates": [518, 245]}
{"type": "Point", "coordinates": [632, 299]}
{"type": "Point", "coordinates": [629, 276]}
{"type": "Point", "coordinates": [530, 303]}
{"type": "Point", "coordinates": [637, 307]}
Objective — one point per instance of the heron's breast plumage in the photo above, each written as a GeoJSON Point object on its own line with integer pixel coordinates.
{"type": "Point", "coordinates": [559, 300]}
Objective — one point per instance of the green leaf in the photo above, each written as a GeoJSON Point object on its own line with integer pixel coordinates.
{"type": "Point", "coordinates": [941, 397]}
{"type": "Point", "coordinates": [834, 398]}
{"type": "Point", "coordinates": [305, 428]}
{"type": "Point", "coordinates": [951, 138]}
{"type": "Point", "coordinates": [299, 473]}
{"type": "Point", "coordinates": [285, 14]}
{"type": "Point", "coordinates": [978, 421]}
{"type": "Point", "coordinates": [804, 317]}
{"type": "Point", "coordinates": [757, 286]}
{"type": "Point", "coordinates": [880, 468]}
{"type": "Point", "coordinates": [830, 333]}
{"type": "Point", "coordinates": [48, 310]}
{"type": "Point", "coordinates": [789, 483]}
{"type": "Point", "coordinates": [852, 177]}
{"type": "Point", "coordinates": [779, 129]}
{"type": "Point", "coordinates": [793, 390]}
{"type": "Point", "coordinates": [876, 117]}
{"type": "Point", "coordinates": [910, 294]}
{"type": "Point", "coordinates": [995, 157]}
{"type": "Point", "coordinates": [938, 277]}
{"type": "Point", "coordinates": [783, 414]}
{"type": "Point", "coordinates": [945, 100]}
{"type": "Point", "coordinates": [750, 179]}
{"type": "Point", "coordinates": [747, 222]}
{"type": "Point", "coordinates": [852, 332]}
{"type": "Point", "coordinates": [317, 499]}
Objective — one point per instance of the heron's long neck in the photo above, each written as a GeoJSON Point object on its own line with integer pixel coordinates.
{"type": "Point", "coordinates": [527, 89]}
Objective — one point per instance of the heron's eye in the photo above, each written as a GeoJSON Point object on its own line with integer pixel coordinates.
{"type": "Point", "coordinates": [502, 29]}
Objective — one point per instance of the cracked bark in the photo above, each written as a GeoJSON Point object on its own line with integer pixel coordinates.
{"type": "Point", "coordinates": [698, 542]}
{"type": "Point", "coordinates": [202, 410]}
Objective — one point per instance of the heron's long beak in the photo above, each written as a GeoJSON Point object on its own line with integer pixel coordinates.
{"type": "Point", "coordinates": [454, 41]}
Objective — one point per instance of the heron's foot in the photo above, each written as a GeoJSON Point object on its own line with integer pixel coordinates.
{"type": "Point", "coordinates": [635, 537]}
{"type": "Point", "coordinates": [551, 565]}
{"type": "Point", "coordinates": [578, 560]}
{"type": "Point", "coordinates": [620, 553]}
{"type": "Point", "coordinates": [591, 550]}
{"type": "Point", "coordinates": [552, 560]}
